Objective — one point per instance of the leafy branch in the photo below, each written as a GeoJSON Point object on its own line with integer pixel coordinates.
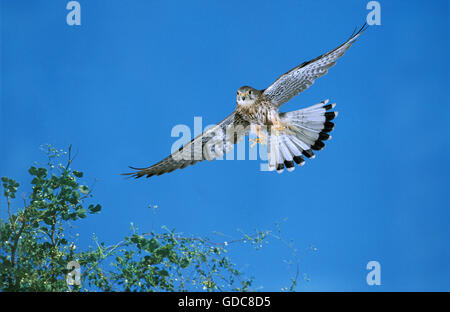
{"type": "Point", "coordinates": [36, 244]}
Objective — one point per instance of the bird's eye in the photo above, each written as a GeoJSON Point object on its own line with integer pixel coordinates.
{"type": "Point", "coordinates": [250, 92]}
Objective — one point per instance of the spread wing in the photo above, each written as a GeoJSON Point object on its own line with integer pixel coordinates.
{"type": "Point", "coordinates": [213, 143]}
{"type": "Point", "coordinates": [302, 77]}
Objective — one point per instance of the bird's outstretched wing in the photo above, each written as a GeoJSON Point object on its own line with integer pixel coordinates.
{"type": "Point", "coordinates": [302, 77]}
{"type": "Point", "coordinates": [213, 143]}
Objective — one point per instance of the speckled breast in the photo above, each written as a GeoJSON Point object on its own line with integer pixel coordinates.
{"type": "Point", "coordinates": [261, 113]}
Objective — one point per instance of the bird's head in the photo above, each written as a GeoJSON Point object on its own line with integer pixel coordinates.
{"type": "Point", "coordinates": [247, 96]}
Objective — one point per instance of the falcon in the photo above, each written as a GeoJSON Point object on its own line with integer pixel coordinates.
{"type": "Point", "coordinates": [290, 136]}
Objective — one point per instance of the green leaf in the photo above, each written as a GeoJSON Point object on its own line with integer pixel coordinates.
{"type": "Point", "coordinates": [42, 172]}
{"type": "Point", "coordinates": [94, 209]}
{"type": "Point", "coordinates": [73, 216]}
{"type": "Point", "coordinates": [84, 189]}
{"type": "Point", "coordinates": [48, 220]}
{"type": "Point", "coordinates": [151, 245]}
{"type": "Point", "coordinates": [32, 170]}
{"type": "Point", "coordinates": [78, 174]}
{"type": "Point", "coordinates": [81, 213]}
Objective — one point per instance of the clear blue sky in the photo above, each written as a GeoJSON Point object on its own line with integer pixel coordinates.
{"type": "Point", "coordinates": [116, 85]}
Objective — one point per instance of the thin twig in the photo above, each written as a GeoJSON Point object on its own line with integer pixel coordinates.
{"type": "Point", "coordinates": [10, 215]}
{"type": "Point", "coordinates": [70, 157]}
{"type": "Point", "coordinates": [13, 250]}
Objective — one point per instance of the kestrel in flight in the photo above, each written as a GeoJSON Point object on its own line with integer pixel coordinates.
{"type": "Point", "coordinates": [290, 135]}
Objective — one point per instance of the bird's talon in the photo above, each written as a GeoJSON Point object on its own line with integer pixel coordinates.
{"type": "Point", "coordinates": [256, 141]}
{"type": "Point", "coordinates": [277, 129]}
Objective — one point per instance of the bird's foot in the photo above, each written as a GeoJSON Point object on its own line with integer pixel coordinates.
{"type": "Point", "coordinates": [260, 140]}
{"type": "Point", "coordinates": [278, 128]}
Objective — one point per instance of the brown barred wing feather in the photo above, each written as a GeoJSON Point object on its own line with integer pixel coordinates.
{"type": "Point", "coordinates": [212, 143]}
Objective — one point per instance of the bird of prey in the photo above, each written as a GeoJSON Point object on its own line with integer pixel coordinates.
{"type": "Point", "coordinates": [290, 135]}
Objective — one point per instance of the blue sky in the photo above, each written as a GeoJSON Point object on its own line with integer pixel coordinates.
{"type": "Point", "coordinates": [116, 85]}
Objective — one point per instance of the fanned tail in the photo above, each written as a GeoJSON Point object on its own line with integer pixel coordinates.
{"type": "Point", "coordinates": [306, 129]}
